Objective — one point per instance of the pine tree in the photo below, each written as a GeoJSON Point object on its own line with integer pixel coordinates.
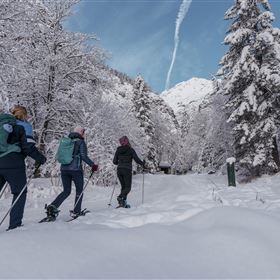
{"type": "Point", "coordinates": [250, 80]}
{"type": "Point", "coordinates": [142, 111]}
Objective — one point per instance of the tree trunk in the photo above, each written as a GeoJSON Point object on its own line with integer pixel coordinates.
{"type": "Point", "coordinates": [275, 152]}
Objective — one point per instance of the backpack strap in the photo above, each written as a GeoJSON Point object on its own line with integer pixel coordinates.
{"type": "Point", "coordinates": [76, 147]}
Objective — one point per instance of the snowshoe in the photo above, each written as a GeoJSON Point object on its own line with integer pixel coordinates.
{"type": "Point", "coordinates": [125, 206]}
{"type": "Point", "coordinates": [75, 215]}
{"type": "Point", "coordinates": [47, 219]}
{"type": "Point", "coordinates": [52, 213]}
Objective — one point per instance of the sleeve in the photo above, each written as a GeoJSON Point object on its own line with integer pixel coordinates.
{"type": "Point", "coordinates": [116, 158]}
{"type": "Point", "coordinates": [136, 158]}
{"type": "Point", "coordinates": [84, 155]}
{"type": "Point", "coordinates": [29, 130]}
{"type": "Point", "coordinates": [30, 149]}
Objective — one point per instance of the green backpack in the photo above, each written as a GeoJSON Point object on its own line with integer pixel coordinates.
{"type": "Point", "coordinates": [7, 122]}
{"type": "Point", "coordinates": [64, 154]}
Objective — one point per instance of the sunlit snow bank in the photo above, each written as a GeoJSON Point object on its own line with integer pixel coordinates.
{"type": "Point", "coordinates": [182, 231]}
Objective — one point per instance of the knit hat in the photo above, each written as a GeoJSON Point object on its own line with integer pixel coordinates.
{"type": "Point", "coordinates": [124, 141]}
{"type": "Point", "coordinates": [80, 130]}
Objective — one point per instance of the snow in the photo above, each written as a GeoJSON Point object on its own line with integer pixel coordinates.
{"type": "Point", "coordinates": [164, 164]}
{"type": "Point", "coordinates": [231, 160]}
{"type": "Point", "coordinates": [259, 158]}
{"type": "Point", "coordinates": [190, 226]}
{"type": "Point", "coordinates": [243, 107]}
{"type": "Point", "coordinates": [192, 92]}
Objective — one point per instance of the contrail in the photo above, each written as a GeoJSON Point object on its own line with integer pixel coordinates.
{"type": "Point", "coordinates": [180, 17]}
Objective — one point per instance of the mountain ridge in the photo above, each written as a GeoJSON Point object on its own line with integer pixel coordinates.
{"type": "Point", "coordinates": [192, 91]}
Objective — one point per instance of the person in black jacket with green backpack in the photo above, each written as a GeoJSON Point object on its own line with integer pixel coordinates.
{"type": "Point", "coordinates": [71, 170]}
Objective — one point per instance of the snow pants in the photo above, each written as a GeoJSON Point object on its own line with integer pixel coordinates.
{"type": "Point", "coordinates": [16, 178]}
{"type": "Point", "coordinates": [67, 176]}
{"type": "Point", "coordinates": [125, 178]}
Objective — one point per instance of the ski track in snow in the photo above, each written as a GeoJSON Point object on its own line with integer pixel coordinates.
{"type": "Point", "coordinates": [191, 195]}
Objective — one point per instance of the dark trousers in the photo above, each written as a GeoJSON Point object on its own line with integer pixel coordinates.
{"type": "Point", "coordinates": [67, 177]}
{"type": "Point", "coordinates": [125, 177]}
{"type": "Point", "coordinates": [16, 178]}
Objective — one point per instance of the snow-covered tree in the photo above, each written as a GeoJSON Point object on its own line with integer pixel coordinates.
{"type": "Point", "coordinates": [66, 61]}
{"type": "Point", "coordinates": [166, 130]}
{"type": "Point", "coordinates": [218, 141]}
{"type": "Point", "coordinates": [142, 109]}
{"type": "Point", "coordinates": [105, 125]}
{"type": "Point", "coordinates": [62, 80]}
{"type": "Point", "coordinates": [42, 66]}
{"type": "Point", "coordinates": [250, 80]}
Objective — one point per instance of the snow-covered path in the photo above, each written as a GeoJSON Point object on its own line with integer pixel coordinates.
{"type": "Point", "coordinates": [190, 226]}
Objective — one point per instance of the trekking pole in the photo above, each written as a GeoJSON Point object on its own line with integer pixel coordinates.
{"type": "Point", "coordinates": [3, 189]}
{"type": "Point", "coordinates": [82, 192]}
{"type": "Point", "coordinates": [109, 204]}
{"type": "Point", "coordinates": [143, 186]}
{"type": "Point", "coordinates": [20, 194]}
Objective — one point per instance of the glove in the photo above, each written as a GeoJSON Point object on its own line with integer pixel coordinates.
{"type": "Point", "coordinates": [42, 160]}
{"type": "Point", "coordinates": [94, 167]}
{"type": "Point", "coordinates": [144, 164]}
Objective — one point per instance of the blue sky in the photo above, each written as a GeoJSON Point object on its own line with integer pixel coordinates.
{"type": "Point", "coordinates": [139, 35]}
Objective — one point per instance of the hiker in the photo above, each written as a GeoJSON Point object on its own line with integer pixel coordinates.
{"type": "Point", "coordinates": [13, 150]}
{"type": "Point", "coordinates": [123, 159]}
{"type": "Point", "coordinates": [72, 171]}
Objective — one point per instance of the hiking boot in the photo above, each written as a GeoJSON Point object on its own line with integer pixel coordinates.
{"type": "Point", "coordinates": [13, 227]}
{"type": "Point", "coordinates": [52, 211]}
{"type": "Point", "coordinates": [121, 201]}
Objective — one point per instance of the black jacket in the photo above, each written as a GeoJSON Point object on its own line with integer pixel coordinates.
{"type": "Point", "coordinates": [16, 160]}
{"type": "Point", "coordinates": [124, 156]}
{"type": "Point", "coordinates": [79, 154]}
